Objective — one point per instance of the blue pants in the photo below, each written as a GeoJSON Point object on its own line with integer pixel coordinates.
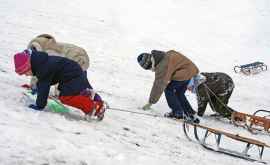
{"type": "Point", "coordinates": [176, 99]}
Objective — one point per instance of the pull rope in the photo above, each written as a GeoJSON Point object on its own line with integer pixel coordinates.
{"type": "Point", "coordinates": [210, 100]}
{"type": "Point", "coordinates": [128, 111]}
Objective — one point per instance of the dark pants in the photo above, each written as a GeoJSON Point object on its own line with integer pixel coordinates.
{"type": "Point", "coordinates": [176, 99]}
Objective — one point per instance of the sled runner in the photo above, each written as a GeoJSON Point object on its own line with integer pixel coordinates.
{"type": "Point", "coordinates": [203, 135]}
{"type": "Point", "coordinates": [247, 69]}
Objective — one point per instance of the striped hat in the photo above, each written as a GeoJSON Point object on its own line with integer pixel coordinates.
{"type": "Point", "coordinates": [144, 60]}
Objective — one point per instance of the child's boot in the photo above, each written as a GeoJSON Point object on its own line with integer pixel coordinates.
{"type": "Point", "coordinates": [99, 110]}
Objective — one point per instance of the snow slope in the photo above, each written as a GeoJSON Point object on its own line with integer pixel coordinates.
{"type": "Point", "coordinates": [216, 35]}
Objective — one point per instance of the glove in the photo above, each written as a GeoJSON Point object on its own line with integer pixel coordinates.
{"type": "Point", "coordinates": [35, 107]}
{"type": "Point", "coordinates": [147, 106]}
{"type": "Point", "coordinates": [33, 88]}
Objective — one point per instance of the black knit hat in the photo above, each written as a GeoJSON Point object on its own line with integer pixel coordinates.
{"type": "Point", "coordinates": [144, 60]}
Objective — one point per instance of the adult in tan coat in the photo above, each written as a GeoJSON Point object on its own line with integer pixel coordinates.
{"type": "Point", "coordinates": [47, 43]}
{"type": "Point", "coordinates": [173, 72]}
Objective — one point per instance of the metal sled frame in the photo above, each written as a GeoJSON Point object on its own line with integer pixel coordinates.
{"type": "Point", "coordinates": [248, 68]}
{"type": "Point", "coordinates": [218, 134]}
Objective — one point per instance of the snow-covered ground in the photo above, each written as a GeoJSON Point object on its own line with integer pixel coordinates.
{"type": "Point", "coordinates": [216, 35]}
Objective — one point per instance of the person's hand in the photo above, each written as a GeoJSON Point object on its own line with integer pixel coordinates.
{"type": "Point", "coordinates": [35, 107]}
{"type": "Point", "coordinates": [34, 90]}
{"type": "Point", "coordinates": [147, 106]}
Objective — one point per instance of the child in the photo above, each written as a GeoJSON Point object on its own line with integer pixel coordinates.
{"type": "Point", "coordinates": [214, 88]}
{"type": "Point", "coordinates": [173, 72]}
{"type": "Point", "coordinates": [75, 90]}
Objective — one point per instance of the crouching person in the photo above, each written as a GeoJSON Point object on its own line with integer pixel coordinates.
{"type": "Point", "coordinates": [213, 88]}
{"type": "Point", "coordinates": [173, 72]}
{"type": "Point", "coordinates": [75, 90]}
{"type": "Point", "coordinates": [48, 43]}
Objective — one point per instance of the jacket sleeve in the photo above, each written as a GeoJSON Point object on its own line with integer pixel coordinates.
{"type": "Point", "coordinates": [162, 78]}
{"type": "Point", "coordinates": [43, 93]}
{"type": "Point", "coordinates": [161, 81]}
{"type": "Point", "coordinates": [157, 90]}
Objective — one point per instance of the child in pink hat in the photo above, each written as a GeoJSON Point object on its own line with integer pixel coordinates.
{"type": "Point", "coordinates": [75, 89]}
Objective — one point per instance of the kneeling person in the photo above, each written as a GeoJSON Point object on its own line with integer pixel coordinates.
{"type": "Point", "coordinates": [75, 90]}
{"type": "Point", "coordinates": [214, 88]}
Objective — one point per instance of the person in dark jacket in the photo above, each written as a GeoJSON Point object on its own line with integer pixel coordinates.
{"type": "Point", "coordinates": [75, 90]}
{"type": "Point", "coordinates": [214, 88]}
{"type": "Point", "coordinates": [173, 72]}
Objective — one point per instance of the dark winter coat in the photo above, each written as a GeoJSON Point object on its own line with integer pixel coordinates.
{"type": "Point", "coordinates": [219, 86]}
{"type": "Point", "coordinates": [51, 70]}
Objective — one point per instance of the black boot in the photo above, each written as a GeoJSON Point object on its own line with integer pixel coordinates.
{"type": "Point", "coordinates": [192, 119]}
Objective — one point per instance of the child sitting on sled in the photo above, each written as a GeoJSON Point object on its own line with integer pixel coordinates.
{"type": "Point", "coordinates": [75, 90]}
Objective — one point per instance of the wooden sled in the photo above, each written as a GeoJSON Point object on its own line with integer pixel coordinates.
{"type": "Point", "coordinates": [218, 135]}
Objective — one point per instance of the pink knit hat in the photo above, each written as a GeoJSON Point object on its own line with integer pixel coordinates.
{"type": "Point", "coordinates": [22, 62]}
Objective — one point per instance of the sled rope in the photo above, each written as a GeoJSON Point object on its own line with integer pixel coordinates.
{"type": "Point", "coordinates": [210, 101]}
{"type": "Point", "coordinates": [128, 111]}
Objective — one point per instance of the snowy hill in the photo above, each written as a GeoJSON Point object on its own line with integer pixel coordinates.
{"type": "Point", "coordinates": [216, 35]}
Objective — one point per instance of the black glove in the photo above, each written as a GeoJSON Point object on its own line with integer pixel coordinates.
{"type": "Point", "coordinates": [35, 107]}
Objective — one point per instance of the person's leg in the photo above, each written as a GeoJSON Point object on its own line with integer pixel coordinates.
{"type": "Point", "coordinates": [215, 105]}
{"type": "Point", "coordinates": [202, 104]}
{"type": "Point", "coordinates": [86, 104]}
{"type": "Point", "coordinates": [180, 92]}
{"type": "Point", "coordinates": [172, 100]}
{"type": "Point", "coordinates": [220, 106]}
{"type": "Point", "coordinates": [83, 103]}
{"type": "Point", "coordinates": [180, 89]}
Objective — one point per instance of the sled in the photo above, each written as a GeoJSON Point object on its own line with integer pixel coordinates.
{"type": "Point", "coordinates": [52, 104]}
{"type": "Point", "coordinates": [218, 136]}
{"type": "Point", "coordinates": [247, 69]}
{"type": "Point", "coordinates": [252, 122]}
{"type": "Point", "coordinates": [55, 106]}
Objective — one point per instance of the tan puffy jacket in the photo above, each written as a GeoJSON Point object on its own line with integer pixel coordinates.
{"type": "Point", "coordinates": [174, 66]}
{"type": "Point", "coordinates": [47, 43]}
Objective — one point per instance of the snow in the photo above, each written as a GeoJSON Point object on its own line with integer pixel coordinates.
{"type": "Point", "coordinates": [216, 35]}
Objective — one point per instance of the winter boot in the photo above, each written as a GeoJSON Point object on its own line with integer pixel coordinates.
{"type": "Point", "coordinates": [99, 110]}
{"type": "Point", "coordinates": [192, 118]}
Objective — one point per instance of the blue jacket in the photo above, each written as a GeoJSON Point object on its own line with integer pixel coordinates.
{"type": "Point", "coordinates": [51, 70]}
